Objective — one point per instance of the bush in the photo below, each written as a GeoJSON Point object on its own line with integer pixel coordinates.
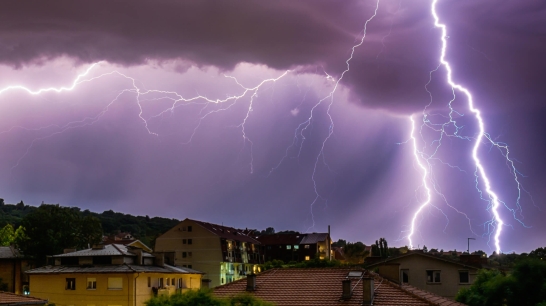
{"type": "Point", "coordinates": [205, 297]}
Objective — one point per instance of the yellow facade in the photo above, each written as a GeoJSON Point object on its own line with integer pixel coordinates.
{"type": "Point", "coordinates": [205, 252]}
{"type": "Point", "coordinates": [126, 289]}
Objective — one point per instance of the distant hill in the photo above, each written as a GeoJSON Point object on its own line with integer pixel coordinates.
{"type": "Point", "coordinates": [144, 228]}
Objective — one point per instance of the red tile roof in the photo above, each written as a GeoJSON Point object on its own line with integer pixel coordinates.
{"type": "Point", "coordinates": [8, 298]}
{"type": "Point", "coordinates": [321, 286]}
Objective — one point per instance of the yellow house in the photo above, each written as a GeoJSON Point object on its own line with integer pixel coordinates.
{"type": "Point", "coordinates": [224, 254]}
{"type": "Point", "coordinates": [112, 274]}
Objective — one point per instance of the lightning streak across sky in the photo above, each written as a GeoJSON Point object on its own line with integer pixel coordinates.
{"type": "Point", "coordinates": [369, 89]}
{"type": "Point", "coordinates": [481, 136]}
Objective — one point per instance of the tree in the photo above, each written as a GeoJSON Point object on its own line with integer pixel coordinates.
{"type": "Point", "coordinates": [526, 286]}
{"type": "Point", "coordinates": [383, 248]}
{"type": "Point", "coordinates": [51, 228]}
{"type": "Point", "coordinates": [340, 243]}
{"type": "Point", "coordinates": [8, 236]}
{"type": "Point", "coordinates": [355, 252]}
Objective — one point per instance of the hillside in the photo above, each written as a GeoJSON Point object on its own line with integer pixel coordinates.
{"type": "Point", "coordinates": [144, 228]}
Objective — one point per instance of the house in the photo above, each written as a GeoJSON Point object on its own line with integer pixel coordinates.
{"type": "Point", "coordinates": [436, 274]}
{"type": "Point", "coordinates": [328, 286]}
{"type": "Point", "coordinates": [296, 247]}
{"type": "Point", "coordinates": [224, 253]}
{"type": "Point", "coordinates": [112, 274]}
{"type": "Point", "coordinates": [12, 299]}
{"type": "Point", "coordinates": [12, 267]}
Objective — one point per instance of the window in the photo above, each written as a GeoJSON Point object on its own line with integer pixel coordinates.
{"type": "Point", "coordinates": [91, 283]}
{"type": "Point", "coordinates": [115, 283]}
{"type": "Point", "coordinates": [172, 281]}
{"type": "Point", "coordinates": [184, 241]}
{"type": "Point", "coordinates": [190, 266]}
{"type": "Point", "coordinates": [433, 276]}
{"type": "Point", "coordinates": [189, 241]}
{"type": "Point", "coordinates": [70, 284]}
{"type": "Point", "coordinates": [189, 254]}
{"type": "Point", "coordinates": [184, 254]}
{"type": "Point", "coordinates": [296, 247]}
{"type": "Point", "coordinates": [307, 257]}
{"type": "Point", "coordinates": [306, 246]}
{"type": "Point", "coordinates": [168, 282]}
{"type": "Point", "coordinates": [179, 283]}
{"type": "Point", "coordinates": [404, 276]}
{"type": "Point", "coordinates": [161, 283]}
{"type": "Point", "coordinates": [269, 247]}
{"type": "Point", "coordinates": [149, 282]}
{"type": "Point", "coordinates": [189, 228]}
{"type": "Point", "coordinates": [288, 247]}
{"type": "Point", "coordinates": [463, 277]}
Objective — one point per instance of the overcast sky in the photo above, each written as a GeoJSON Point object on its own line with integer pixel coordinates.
{"type": "Point", "coordinates": [235, 112]}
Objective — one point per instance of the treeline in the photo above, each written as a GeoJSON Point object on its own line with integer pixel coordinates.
{"type": "Point", "coordinates": [144, 228]}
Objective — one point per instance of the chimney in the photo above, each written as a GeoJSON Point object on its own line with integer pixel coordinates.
{"type": "Point", "coordinates": [347, 292]}
{"type": "Point", "coordinates": [205, 283]}
{"type": "Point", "coordinates": [138, 253]}
{"type": "Point", "coordinates": [367, 291]}
{"type": "Point", "coordinates": [159, 259]}
{"type": "Point", "coordinates": [251, 282]}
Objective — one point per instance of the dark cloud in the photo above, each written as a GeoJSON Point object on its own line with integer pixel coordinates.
{"type": "Point", "coordinates": [367, 179]}
{"type": "Point", "coordinates": [389, 72]}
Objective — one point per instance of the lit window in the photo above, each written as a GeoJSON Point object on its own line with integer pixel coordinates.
{"type": "Point", "coordinates": [91, 283]}
{"type": "Point", "coordinates": [433, 276]}
{"type": "Point", "coordinates": [307, 257]}
{"type": "Point", "coordinates": [70, 284]}
{"type": "Point", "coordinates": [288, 247]}
{"type": "Point", "coordinates": [296, 247]}
{"type": "Point", "coordinates": [306, 246]}
{"type": "Point", "coordinates": [463, 277]}
{"type": "Point", "coordinates": [115, 283]}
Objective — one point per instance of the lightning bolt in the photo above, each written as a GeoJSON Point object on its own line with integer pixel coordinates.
{"type": "Point", "coordinates": [176, 98]}
{"type": "Point", "coordinates": [481, 137]}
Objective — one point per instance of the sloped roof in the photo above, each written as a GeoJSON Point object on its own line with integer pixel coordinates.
{"type": "Point", "coordinates": [8, 298]}
{"type": "Point", "coordinates": [128, 242]}
{"type": "Point", "coordinates": [8, 252]}
{"type": "Point", "coordinates": [109, 250]}
{"type": "Point", "coordinates": [274, 239]}
{"type": "Point", "coordinates": [314, 238]}
{"type": "Point", "coordinates": [125, 268]}
{"type": "Point", "coordinates": [320, 286]}
{"type": "Point", "coordinates": [226, 232]}
{"type": "Point", "coordinates": [420, 253]}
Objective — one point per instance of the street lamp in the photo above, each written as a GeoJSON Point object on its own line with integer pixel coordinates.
{"type": "Point", "coordinates": [469, 244]}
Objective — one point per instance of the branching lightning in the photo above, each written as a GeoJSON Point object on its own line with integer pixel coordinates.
{"type": "Point", "coordinates": [478, 140]}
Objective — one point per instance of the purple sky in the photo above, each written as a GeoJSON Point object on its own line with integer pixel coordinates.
{"type": "Point", "coordinates": [104, 145]}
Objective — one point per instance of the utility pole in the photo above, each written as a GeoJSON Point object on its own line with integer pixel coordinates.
{"type": "Point", "coordinates": [469, 244]}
